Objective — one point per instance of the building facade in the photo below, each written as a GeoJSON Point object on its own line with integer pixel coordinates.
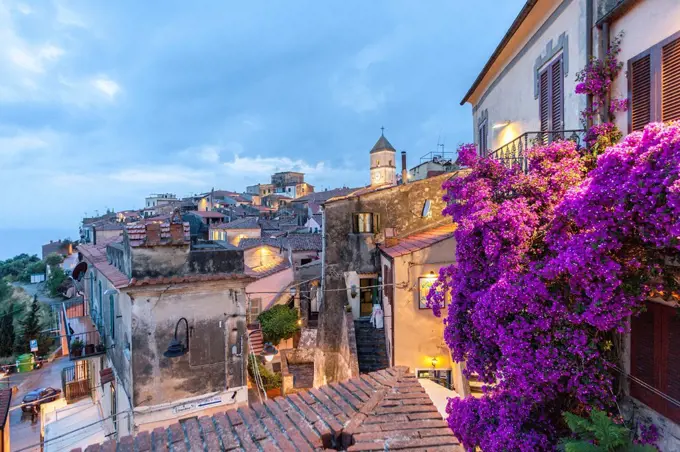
{"type": "Point", "coordinates": [526, 93]}
{"type": "Point", "coordinates": [141, 294]}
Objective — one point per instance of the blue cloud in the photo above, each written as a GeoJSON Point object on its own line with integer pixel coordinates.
{"type": "Point", "coordinates": [104, 102]}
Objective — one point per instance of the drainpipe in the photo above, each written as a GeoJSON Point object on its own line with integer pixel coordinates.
{"type": "Point", "coordinates": [605, 35]}
{"type": "Point", "coordinates": [589, 50]}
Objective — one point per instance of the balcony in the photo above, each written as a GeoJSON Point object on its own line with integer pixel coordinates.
{"type": "Point", "coordinates": [514, 153]}
{"type": "Point", "coordinates": [82, 330]}
{"type": "Point", "coordinates": [75, 382]}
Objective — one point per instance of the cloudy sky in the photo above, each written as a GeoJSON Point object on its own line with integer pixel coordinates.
{"type": "Point", "coordinates": [103, 102]}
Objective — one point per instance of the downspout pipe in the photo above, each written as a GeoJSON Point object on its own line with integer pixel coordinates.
{"type": "Point", "coordinates": [589, 51]}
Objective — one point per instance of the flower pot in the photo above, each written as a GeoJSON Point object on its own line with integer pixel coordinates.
{"type": "Point", "coordinates": [89, 349]}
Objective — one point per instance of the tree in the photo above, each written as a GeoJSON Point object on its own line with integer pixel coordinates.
{"type": "Point", "coordinates": [31, 326]}
{"type": "Point", "coordinates": [278, 323]}
{"type": "Point", "coordinates": [5, 290]}
{"type": "Point", "coordinates": [54, 259]}
{"type": "Point", "coordinates": [7, 331]}
{"type": "Point", "coordinates": [55, 281]}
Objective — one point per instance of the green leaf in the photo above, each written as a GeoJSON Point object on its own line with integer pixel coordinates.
{"type": "Point", "coordinates": [608, 434]}
{"type": "Point", "coordinates": [641, 448]}
{"type": "Point", "coordinates": [578, 424]}
{"type": "Point", "coordinates": [581, 446]}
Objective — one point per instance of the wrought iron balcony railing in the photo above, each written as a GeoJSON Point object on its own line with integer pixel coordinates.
{"type": "Point", "coordinates": [514, 153]}
{"type": "Point", "coordinates": [83, 332]}
{"type": "Point", "coordinates": [76, 382]}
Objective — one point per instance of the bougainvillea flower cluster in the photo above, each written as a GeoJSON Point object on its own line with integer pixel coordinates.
{"type": "Point", "coordinates": [548, 264]}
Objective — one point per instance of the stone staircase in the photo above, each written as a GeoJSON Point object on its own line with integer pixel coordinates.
{"type": "Point", "coordinates": [371, 347]}
{"type": "Point", "coordinates": [475, 386]}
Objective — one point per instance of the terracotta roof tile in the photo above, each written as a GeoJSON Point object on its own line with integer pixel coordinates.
{"type": "Point", "coordinates": [420, 240]}
{"type": "Point", "coordinates": [267, 270]}
{"type": "Point", "coordinates": [5, 400]}
{"type": "Point", "coordinates": [386, 410]}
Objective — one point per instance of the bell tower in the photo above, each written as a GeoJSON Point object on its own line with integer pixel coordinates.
{"type": "Point", "coordinates": [383, 162]}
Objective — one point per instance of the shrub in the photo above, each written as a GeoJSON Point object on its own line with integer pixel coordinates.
{"type": "Point", "coordinates": [278, 323]}
{"type": "Point", "coordinates": [270, 380]}
{"type": "Point", "coordinates": [600, 432]}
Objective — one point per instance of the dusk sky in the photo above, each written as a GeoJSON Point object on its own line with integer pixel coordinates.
{"type": "Point", "coordinates": [104, 102]}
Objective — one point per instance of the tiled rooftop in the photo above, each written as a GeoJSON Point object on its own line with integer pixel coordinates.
{"type": "Point", "coordinates": [137, 233]}
{"type": "Point", "coordinates": [5, 400]}
{"type": "Point", "coordinates": [207, 214]}
{"type": "Point", "coordinates": [240, 223]}
{"type": "Point", "coordinates": [267, 270]}
{"type": "Point", "coordinates": [96, 256]}
{"type": "Point", "coordinates": [252, 242]}
{"type": "Point", "coordinates": [304, 242]}
{"type": "Point", "coordinates": [384, 410]}
{"type": "Point", "coordinates": [420, 240]}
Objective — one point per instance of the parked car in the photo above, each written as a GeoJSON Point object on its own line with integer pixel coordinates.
{"type": "Point", "coordinates": [38, 397]}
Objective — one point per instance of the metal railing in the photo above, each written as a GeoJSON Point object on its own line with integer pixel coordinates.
{"type": "Point", "coordinates": [86, 344]}
{"type": "Point", "coordinates": [514, 153]}
{"type": "Point", "coordinates": [75, 383]}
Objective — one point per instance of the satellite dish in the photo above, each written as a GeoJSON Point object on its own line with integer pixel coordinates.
{"type": "Point", "coordinates": [79, 271]}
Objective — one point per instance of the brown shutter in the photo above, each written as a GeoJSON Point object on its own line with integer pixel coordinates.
{"type": "Point", "coordinates": [642, 357]}
{"type": "Point", "coordinates": [673, 363]}
{"type": "Point", "coordinates": [557, 97]}
{"type": "Point", "coordinates": [544, 104]}
{"type": "Point", "coordinates": [641, 92]}
{"type": "Point", "coordinates": [670, 81]}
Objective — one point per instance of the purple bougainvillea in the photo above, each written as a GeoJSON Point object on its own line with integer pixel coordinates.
{"type": "Point", "coordinates": [548, 265]}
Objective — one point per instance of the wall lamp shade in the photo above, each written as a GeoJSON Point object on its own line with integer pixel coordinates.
{"type": "Point", "coordinates": [500, 125]}
{"type": "Point", "coordinates": [269, 352]}
{"type": "Point", "coordinates": [293, 291]}
{"type": "Point", "coordinates": [176, 348]}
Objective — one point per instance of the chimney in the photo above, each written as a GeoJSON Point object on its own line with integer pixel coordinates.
{"type": "Point", "coordinates": [153, 234]}
{"type": "Point", "coordinates": [404, 171]}
{"type": "Point", "coordinates": [177, 232]}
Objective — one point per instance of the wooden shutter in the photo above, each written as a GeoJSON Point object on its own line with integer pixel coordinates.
{"type": "Point", "coordinates": [557, 98]}
{"type": "Point", "coordinates": [670, 81]}
{"type": "Point", "coordinates": [642, 357]}
{"type": "Point", "coordinates": [673, 363]}
{"type": "Point", "coordinates": [544, 104]}
{"type": "Point", "coordinates": [655, 358]}
{"type": "Point", "coordinates": [640, 92]}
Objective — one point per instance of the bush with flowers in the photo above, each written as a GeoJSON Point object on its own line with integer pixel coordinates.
{"type": "Point", "coordinates": [550, 265]}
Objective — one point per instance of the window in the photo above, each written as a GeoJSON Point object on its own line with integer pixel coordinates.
{"type": "Point", "coordinates": [655, 358]}
{"type": "Point", "coordinates": [483, 131]}
{"type": "Point", "coordinates": [366, 223]}
{"type": "Point", "coordinates": [654, 84]}
{"type": "Point", "coordinates": [112, 314]}
{"type": "Point", "coordinates": [551, 99]}
{"type": "Point", "coordinates": [255, 309]}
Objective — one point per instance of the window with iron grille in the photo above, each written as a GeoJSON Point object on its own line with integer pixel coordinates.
{"type": "Point", "coordinates": [654, 84]}
{"type": "Point", "coordinates": [655, 359]}
{"type": "Point", "coordinates": [551, 100]}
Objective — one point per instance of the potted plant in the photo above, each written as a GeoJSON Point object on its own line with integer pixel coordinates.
{"type": "Point", "coordinates": [100, 348]}
{"type": "Point", "coordinates": [89, 349]}
{"type": "Point", "coordinates": [76, 347]}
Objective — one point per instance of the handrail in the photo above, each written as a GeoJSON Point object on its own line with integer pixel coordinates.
{"type": "Point", "coordinates": [514, 153]}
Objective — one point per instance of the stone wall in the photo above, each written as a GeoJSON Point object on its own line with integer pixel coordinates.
{"type": "Point", "coordinates": [400, 208]}
{"type": "Point", "coordinates": [216, 316]}
{"type": "Point", "coordinates": [332, 365]}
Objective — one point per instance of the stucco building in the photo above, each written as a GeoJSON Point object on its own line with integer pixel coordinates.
{"type": "Point", "coordinates": [361, 230]}
{"type": "Point", "coordinates": [141, 293]}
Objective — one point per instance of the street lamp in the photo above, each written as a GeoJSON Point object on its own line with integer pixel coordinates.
{"type": "Point", "coordinates": [176, 348]}
{"type": "Point", "coordinates": [269, 352]}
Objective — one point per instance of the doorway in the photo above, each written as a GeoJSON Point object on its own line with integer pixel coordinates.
{"type": "Point", "coordinates": [368, 294]}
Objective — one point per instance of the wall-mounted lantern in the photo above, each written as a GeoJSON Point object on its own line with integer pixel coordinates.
{"type": "Point", "coordinates": [176, 348]}
{"type": "Point", "coordinates": [434, 362]}
{"type": "Point", "coordinates": [353, 291]}
{"type": "Point", "coordinates": [269, 352]}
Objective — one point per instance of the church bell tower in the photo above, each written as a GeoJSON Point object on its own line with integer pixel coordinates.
{"type": "Point", "coordinates": [383, 162]}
